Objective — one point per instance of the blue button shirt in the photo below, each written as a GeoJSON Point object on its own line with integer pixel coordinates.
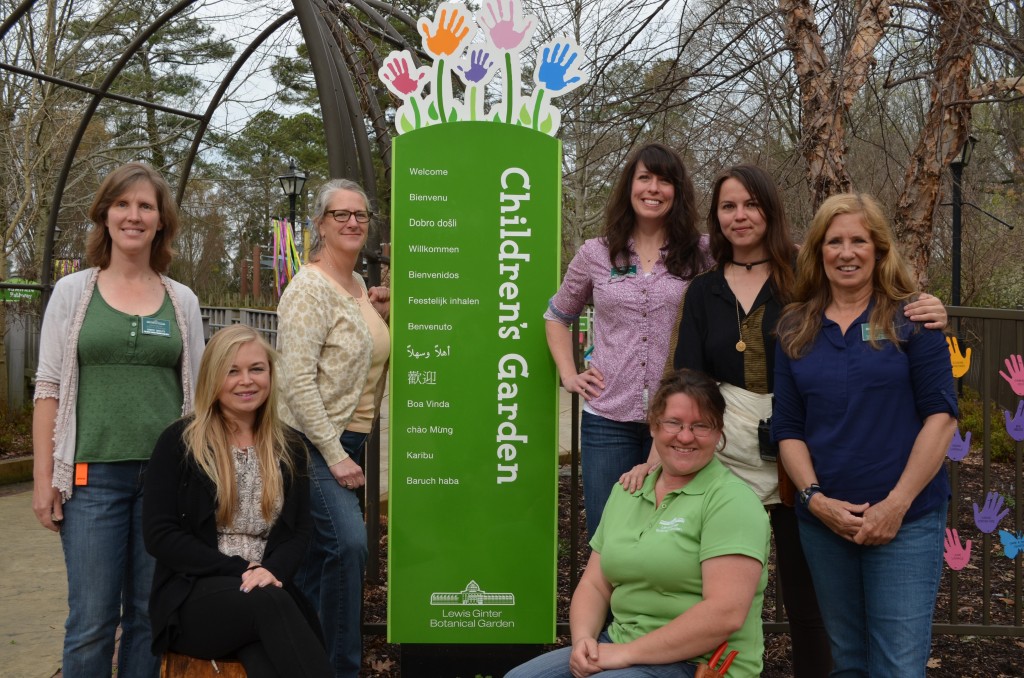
{"type": "Point", "coordinates": [859, 409]}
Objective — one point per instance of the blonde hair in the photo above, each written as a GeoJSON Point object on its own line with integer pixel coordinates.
{"type": "Point", "coordinates": [206, 436]}
{"type": "Point", "coordinates": [892, 281]}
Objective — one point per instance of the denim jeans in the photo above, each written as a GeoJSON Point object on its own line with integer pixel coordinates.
{"type": "Point", "coordinates": [610, 448]}
{"type": "Point", "coordinates": [878, 601]}
{"type": "Point", "coordinates": [109, 575]}
{"type": "Point", "coordinates": [331, 575]}
{"type": "Point", "coordinates": [555, 664]}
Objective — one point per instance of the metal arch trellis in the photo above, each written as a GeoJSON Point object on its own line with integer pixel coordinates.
{"type": "Point", "coordinates": [346, 94]}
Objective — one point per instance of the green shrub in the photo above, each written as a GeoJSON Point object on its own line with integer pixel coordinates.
{"type": "Point", "coordinates": [972, 419]}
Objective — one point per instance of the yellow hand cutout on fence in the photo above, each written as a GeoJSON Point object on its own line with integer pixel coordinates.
{"type": "Point", "coordinates": [961, 361]}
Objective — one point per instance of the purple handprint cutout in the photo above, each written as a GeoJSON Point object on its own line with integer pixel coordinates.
{"type": "Point", "coordinates": [555, 64]}
{"type": "Point", "coordinates": [987, 519]}
{"type": "Point", "coordinates": [1015, 426]}
{"type": "Point", "coordinates": [959, 446]}
{"type": "Point", "coordinates": [501, 24]}
{"type": "Point", "coordinates": [480, 65]}
{"type": "Point", "coordinates": [957, 556]}
{"type": "Point", "coordinates": [1014, 374]}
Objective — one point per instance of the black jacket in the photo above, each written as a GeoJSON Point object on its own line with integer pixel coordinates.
{"type": "Point", "coordinates": [180, 530]}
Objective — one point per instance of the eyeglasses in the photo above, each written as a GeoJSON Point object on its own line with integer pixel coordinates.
{"type": "Point", "coordinates": [699, 430]}
{"type": "Point", "coordinates": [342, 216]}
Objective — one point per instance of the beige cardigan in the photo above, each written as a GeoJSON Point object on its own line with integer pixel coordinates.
{"type": "Point", "coordinates": [325, 359]}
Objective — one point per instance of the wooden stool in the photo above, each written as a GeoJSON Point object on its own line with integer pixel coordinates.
{"type": "Point", "coordinates": [176, 665]}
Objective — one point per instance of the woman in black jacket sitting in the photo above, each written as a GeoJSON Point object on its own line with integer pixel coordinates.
{"type": "Point", "coordinates": [226, 515]}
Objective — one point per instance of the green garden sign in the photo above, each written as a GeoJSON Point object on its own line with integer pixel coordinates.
{"type": "Point", "coordinates": [473, 438]}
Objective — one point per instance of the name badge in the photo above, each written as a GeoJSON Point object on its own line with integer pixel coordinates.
{"type": "Point", "coordinates": [865, 333]}
{"type": "Point", "coordinates": [156, 327]}
{"type": "Point", "coordinates": [630, 273]}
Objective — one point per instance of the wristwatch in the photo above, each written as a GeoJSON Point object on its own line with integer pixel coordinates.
{"type": "Point", "coordinates": [808, 492]}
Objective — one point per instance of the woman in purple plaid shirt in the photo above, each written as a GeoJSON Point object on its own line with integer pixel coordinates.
{"type": "Point", "coordinates": [635, 274]}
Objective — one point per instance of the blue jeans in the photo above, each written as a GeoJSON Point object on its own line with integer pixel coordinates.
{"type": "Point", "coordinates": [331, 576]}
{"type": "Point", "coordinates": [109, 575]}
{"type": "Point", "coordinates": [610, 448]}
{"type": "Point", "coordinates": [555, 664]}
{"type": "Point", "coordinates": [878, 601]}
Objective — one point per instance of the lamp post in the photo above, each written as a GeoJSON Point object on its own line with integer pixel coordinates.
{"type": "Point", "coordinates": [292, 184]}
{"type": "Point", "coordinates": [956, 168]}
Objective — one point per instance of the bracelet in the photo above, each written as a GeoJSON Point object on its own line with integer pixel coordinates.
{"type": "Point", "coordinates": [253, 567]}
{"type": "Point", "coordinates": [808, 492]}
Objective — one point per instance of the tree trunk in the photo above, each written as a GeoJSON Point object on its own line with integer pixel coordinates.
{"type": "Point", "coordinates": [946, 127]}
{"type": "Point", "coordinates": [823, 138]}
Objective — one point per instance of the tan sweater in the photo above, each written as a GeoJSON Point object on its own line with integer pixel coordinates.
{"type": "Point", "coordinates": [325, 348]}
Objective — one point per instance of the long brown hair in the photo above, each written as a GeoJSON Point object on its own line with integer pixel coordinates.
{"type": "Point", "coordinates": [98, 242]}
{"type": "Point", "coordinates": [778, 243]}
{"type": "Point", "coordinates": [892, 281]}
{"type": "Point", "coordinates": [684, 257]}
{"type": "Point", "coordinates": [206, 435]}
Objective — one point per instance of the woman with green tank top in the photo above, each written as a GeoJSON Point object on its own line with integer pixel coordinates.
{"type": "Point", "coordinates": [119, 353]}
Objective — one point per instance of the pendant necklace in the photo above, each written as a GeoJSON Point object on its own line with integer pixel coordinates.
{"type": "Point", "coordinates": [741, 345]}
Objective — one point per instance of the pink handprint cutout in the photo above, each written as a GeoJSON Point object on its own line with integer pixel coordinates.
{"type": "Point", "coordinates": [957, 556]}
{"type": "Point", "coordinates": [501, 24]}
{"type": "Point", "coordinates": [959, 446]}
{"type": "Point", "coordinates": [399, 74]}
{"type": "Point", "coordinates": [1014, 374]}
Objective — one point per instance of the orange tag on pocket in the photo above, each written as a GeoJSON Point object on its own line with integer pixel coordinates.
{"type": "Point", "coordinates": [81, 474]}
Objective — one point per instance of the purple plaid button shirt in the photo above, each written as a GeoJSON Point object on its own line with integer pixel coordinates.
{"type": "Point", "coordinates": [633, 317]}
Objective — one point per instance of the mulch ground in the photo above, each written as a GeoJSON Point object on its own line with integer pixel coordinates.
{"type": "Point", "coordinates": [953, 656]}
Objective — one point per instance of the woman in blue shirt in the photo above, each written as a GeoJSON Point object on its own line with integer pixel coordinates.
{"type": "Point", "coordinates": [864, 412]}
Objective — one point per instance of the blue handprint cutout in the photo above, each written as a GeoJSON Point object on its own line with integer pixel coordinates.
{"type": "Point", "coordinates": [555, 64]}
{"type": "Point", "coordinates": [989, 516]}
{"type": "Point", "coordinates": [959, 446]}
{"type": "Point", "coordinates": [1012, 543]}
{"type": "Point", "coordinates": [1015, 426]}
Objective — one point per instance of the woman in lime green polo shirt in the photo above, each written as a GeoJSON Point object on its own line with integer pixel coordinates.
{"type": "Point", "coordinates": [680, 562]}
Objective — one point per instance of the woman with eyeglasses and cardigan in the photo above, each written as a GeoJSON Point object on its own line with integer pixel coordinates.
{"type": "Point", "coordinates": [334, 341]}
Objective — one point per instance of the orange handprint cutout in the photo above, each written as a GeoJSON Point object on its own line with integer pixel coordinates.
{"type": "Point", "coordinates": [961, 361]}
{"type": "Point", "coordinates": [447, 38]}
{"type": "Point", "coordinates": [712, 669]}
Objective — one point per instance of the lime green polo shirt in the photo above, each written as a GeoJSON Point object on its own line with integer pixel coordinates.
{"type": "Point", "coordinates": [652, 554]}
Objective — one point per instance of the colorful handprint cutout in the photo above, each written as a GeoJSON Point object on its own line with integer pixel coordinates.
{"type": "Point", "coordinates": [988, 517]}
{"type": "Point", "coordinates": [448, 39]}
{"type": "Point", "coordinates": [1014, 374]}
{"type": "Point", "coordinates": [961, 361]}
{"type": "Point", "coordinates": [956, 554]}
